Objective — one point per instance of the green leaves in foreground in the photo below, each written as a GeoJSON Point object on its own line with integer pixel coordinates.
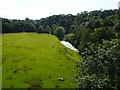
{"type": "Point", "coordinates": [101, 66]}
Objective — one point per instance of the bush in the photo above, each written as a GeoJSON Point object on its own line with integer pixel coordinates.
{"type": "Point", "coordinates": [69, 37]}
{"type": "Point", "coordinates": [100, 67]}
{"type": "Point", "coordinates": [40, 29]}
{"type": "Point", "coordinates": [60, 32]}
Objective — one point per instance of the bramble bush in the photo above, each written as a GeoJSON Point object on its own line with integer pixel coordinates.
{"type": "Point", "coordinates": [100, 67]}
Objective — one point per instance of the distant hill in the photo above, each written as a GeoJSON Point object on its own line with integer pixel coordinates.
{"type": "Point", "coordinates": [20, 20]}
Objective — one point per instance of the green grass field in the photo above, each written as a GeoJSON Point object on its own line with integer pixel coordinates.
{"type": "Point", "coordinates": [36, 60]}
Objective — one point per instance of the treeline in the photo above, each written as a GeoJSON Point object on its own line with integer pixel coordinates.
{"type": "Point", "coordinates": [77, 29]}
{"type": "Point", "coordinates": [29, 25]}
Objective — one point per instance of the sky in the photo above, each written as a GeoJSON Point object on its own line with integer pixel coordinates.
{"type": "Point", "coordinates": [36, 9]}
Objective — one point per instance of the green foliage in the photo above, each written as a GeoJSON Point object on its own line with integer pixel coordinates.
{"type": "Point", "coordinates": [94, 24]}
{"type": "Point", "coordinates": [118, 15]}
{"type": "Point", "coordinates": [29, 27]}
{"type": "Point", "coordinates": [77, 38]}
{"type": "Point", "coordinates": [107, 23]}
{"type": "Point", "coordinates": [101, 66]}
{"type": "Point", "coordinates": [79, 30]}
{"type": "Point", "coordinates": [60, 31]}
{"type": "Point", "coordinates": [86, 37]}
{"type": "Point", "coordinates": [117, 27]}
{"type": "Point", "coordinates": [99, 60]}
{"type": "Point", "coordinates": [73, 29]}
{"type": "Point", "coordinates": [17, 27]}
{"type": "Point", "coordinates": [6, 28]}
{"type": "Point", "coordinates": [47, 29]}
{"type": "Point", "coordinates": [69, 37]}
{"type": "Point", "coordinates": [102, 33]}
{"type": "Point", "coordinates": [53, 28]}
{"type": "Point", "coordinates": [27, 20]}
{"type": "Point", "coordinates": [40, 29]}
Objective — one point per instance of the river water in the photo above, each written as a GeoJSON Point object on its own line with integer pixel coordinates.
{"type": "Point", "coordinates": [67, 44]}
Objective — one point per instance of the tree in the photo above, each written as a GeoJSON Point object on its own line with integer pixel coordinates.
{"type": "Point", "coordinates": [69, 37]}
{"type": "Point", "coordinates": [29, 27]}
{"type": "Point", "coordinates": [100, 67]}
{"type": "Point", "coordinates": [40, 29]}
{"type": "Point", "coordinates": [94, 24]}
{"type": "Point", "coordinates": [102, 33]}
{"type": "Point", "coordinates": [6, 28]}
{"type": "Point", "coordinates": [17, 27]}
{"type": "Point", "coordinates": [53, 28]}
{"type": "Point", "coordinates": [118, 15]}
{"type": "Point", "coordinates": [27, 20]}
{"type": "Point", "coordinates": [77, 38]}
{"type": "Point", "coordinates": [4, 20]}
{"type": "Point", "coordinates": [107, 22]}
{"type": "Point", "coordinates": [86, 37]}
{"type": "Point", "coordinates": [60, 32]}
{"type": "Point", "coordinates": [73, 29]}
{"type": "Point", "coordinates": [47, 29]}
{"type": "Point", "coordinates": [117, 27]}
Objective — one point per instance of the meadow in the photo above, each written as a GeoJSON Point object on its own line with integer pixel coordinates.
{"type": "Point", "coordinates": [31, 60]}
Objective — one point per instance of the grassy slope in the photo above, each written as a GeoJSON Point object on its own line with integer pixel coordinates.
{"type": "Point", "coordinates": [31, 59]}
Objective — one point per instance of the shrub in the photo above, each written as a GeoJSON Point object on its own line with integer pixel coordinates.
{"type": "Point", "coordinates": [100, 67]}
{"type": "Point", "coordinates": [60, 32]}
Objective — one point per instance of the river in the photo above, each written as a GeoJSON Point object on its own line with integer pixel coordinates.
{"type": "Point", "coordinates": [67, 44]}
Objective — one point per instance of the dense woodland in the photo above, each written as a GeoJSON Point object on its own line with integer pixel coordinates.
{"type": "Point", "coordinates": [77, 29]}
{"type": "Point", "coordinates": [95, 34]}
